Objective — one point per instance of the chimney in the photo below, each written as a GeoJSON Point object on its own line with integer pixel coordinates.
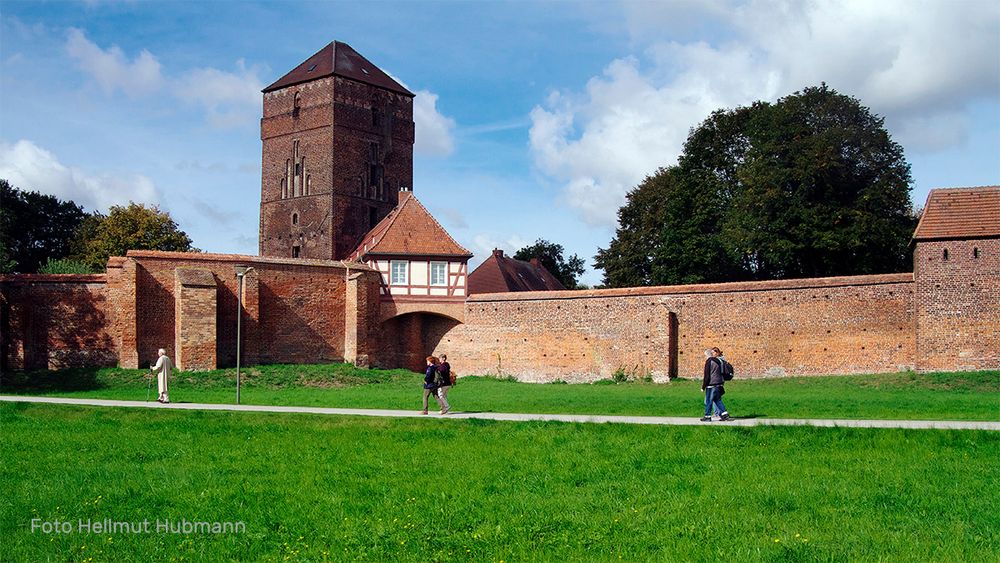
{"type": "Point", "coordinates": [535, 262]}
{"type": "Point", "coordinates": [498, 253]}
{"type": "Point", "coordinates": [404, 193]}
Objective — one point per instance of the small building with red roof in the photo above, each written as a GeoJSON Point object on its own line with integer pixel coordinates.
{"type": "Point", "coordinates": [413, 253]}
{"type": "Point", "coordinates": [502, 274]}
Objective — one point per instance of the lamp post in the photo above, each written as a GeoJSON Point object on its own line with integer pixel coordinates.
{"type": "Point", "coordinates": [240, 272]}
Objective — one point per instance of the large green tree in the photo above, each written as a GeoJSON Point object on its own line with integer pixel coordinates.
{"type": "Point", "coordinates": [124, 228]}
{"type": "Point", "coordinates": [811, 185]}
{"type": "Point", "coordinates": [550, 255]}
{"type": "Point", "coordinates": [34, 228]}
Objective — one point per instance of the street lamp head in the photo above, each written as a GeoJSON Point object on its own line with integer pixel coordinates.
{"type": "Point", "coordinates": [243, 270]}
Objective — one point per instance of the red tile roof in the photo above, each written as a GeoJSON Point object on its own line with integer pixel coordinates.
{"type": "Point", "coordinates": [339, 59]}
{"type": "Point", "coordinates": [409, 229]}
{"type": "Point", "coordinates": [957, 213]}
{"type": "Point", "coordinates": [500, 274]}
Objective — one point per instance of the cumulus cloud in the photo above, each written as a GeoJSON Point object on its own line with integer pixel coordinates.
{"type": "Point", "coordinates": [30, 167]}
{"type": "Point", "coordinates": [434, 130]}
{"type": "Point", "coordinates": [919, 65]}
{"type": "Point", "coordinates": [112, 70]}
{"type": "Point", "coordinates": [229, 99]}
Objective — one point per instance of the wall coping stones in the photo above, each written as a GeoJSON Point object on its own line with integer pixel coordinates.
{"type": "Point", "coordinates": [730, 287]}
{"type": "Point", "coordinates": [191, 277]}
{"type": "Point", "coordinates": [243, 258]}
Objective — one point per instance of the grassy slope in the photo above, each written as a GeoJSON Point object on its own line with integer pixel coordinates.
{"type": "Point", "coordinates": [317, 488]}
{"type": "Point", "coordinates": [959, 396]}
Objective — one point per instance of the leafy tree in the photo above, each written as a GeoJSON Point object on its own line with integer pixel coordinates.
{"type": "Point", "coordinates": [65, 266]}
{"type": "Point", "coordinates": [550, 255]}
{"type": "Point", "coordinates": [811, 185]}
{"type": "Point", "coordinates": [131, 227]}
{"type": "Point", "coordinates": [7, 264]}
{"type": "Point", "coordinates": [34, 228]}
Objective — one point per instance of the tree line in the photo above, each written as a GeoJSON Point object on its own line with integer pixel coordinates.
{"type": "Point", "coordinates": [43, 234]}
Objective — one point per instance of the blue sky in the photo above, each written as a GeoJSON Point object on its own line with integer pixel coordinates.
{"type": "Point", "coordinates": [533, 118]}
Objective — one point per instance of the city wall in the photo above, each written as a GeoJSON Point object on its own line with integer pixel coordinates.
{"type": "Point", "coordinates": [945, 316]}
{"type": "Point", "coordinates": [862, 324]}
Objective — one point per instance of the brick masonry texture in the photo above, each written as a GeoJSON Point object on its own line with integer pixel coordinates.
{"type": "Point", "coordinates": [791, 327]}
{"type": "Point", "coordinates": [194, 312]}
{"type": "Point", "coordinates": [958, 304]}
{"type": "Point", "coordinates": [55, 321]}
{"type": "Point", "coordinates": [946, 316]}
{"type": "Point", "coordinates": [334, 127]}
{"type": "Point", "coordinates": [295, 311]}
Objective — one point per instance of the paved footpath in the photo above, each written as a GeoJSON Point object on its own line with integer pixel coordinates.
{"type": "Point", "coordinates": [456, 415]}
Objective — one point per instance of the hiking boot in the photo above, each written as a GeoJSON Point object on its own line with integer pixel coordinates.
{"type": "Point", "coordinates": [706, 419]}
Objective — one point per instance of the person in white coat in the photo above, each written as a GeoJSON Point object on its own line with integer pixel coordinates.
{"type": "Point", "coordinates": [162, 369]}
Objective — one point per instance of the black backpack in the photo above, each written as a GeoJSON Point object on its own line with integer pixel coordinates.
{"type": "Point", "coordinates": [726, 368]}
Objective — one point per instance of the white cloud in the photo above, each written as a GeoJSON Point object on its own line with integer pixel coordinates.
{"type": "Point", "coordinates": [434, 131]}
{"type": "Point", "coordinates": [30, 167]}
{"type": "Point", "coordinates": [112, 69]}
{"type": "Point", "coordinates": [919, 65]}
{"type": "Point", "coordinates": [230, 99]}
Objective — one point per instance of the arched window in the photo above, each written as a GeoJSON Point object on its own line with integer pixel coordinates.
{"type": "Point", "coordinates": [944, 255]}
{"type": "Point", "coordinates": [975, 252]}
{"type": "Point", "coordinates": [295, 218]}
{"type": "Point", "coordinates": [296, 105]}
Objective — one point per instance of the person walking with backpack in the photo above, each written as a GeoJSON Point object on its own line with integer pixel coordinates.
{"type": "Point", "coordinates": [446, 381]}
{"type": "Point", "coordinates": [430, 383]}
{"type": "Point", "coordinates": [713, 384]}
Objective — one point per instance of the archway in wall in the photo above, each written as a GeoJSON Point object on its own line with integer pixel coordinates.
{"type": "Point", "coordinates": [406, 340]}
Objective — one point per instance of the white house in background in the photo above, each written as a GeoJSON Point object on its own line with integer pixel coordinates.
{"type": "Point", "coordinates": [417, 258]}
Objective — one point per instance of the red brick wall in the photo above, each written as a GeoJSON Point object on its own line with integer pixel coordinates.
{"type": "Point", "coordinates": [297, 311]}
{"type": "Point", "coordinates": [294, 309]}
{"type": "Point", "coordinates": [56, 321]}
{"type": "Point", "coordinates": [958, 305]}
{"type": "Point", "coordinates": [120, 293]}
{"type": "Point", "coordinates": [334, 127]}
{"type": "Point", "coordinates": [195, 311]}
{"type": "Point", "coordinates": [792, 327]}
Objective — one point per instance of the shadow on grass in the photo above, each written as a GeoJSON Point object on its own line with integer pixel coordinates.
{"type": "Point", "coordinates": [76, 379]}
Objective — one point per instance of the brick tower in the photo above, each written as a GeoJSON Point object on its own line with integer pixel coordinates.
{"type": "Point", "coordinates": [337, 137]}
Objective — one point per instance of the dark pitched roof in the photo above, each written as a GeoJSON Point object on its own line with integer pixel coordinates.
{"type": "Point", "coordinates": [341, 60]}
{"type": "Point", "coordinates": [957, 213]}
{"type": "Point", "coordinates": [500, 274]}
{"type": "Point", "coordinates": [409, 229]}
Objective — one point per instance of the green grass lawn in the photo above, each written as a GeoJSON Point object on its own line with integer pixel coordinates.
{"type": "Point", "coordinates": [322, 488]}
{"type": "Point", "coordinates": [934, 396]}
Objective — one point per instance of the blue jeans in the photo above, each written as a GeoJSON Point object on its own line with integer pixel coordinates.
{"type": "Point", "coordinates": [712, 397]}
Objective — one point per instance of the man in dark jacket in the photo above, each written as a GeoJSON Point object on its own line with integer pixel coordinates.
{"type": "Point", "coordinates": [712, 384]}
